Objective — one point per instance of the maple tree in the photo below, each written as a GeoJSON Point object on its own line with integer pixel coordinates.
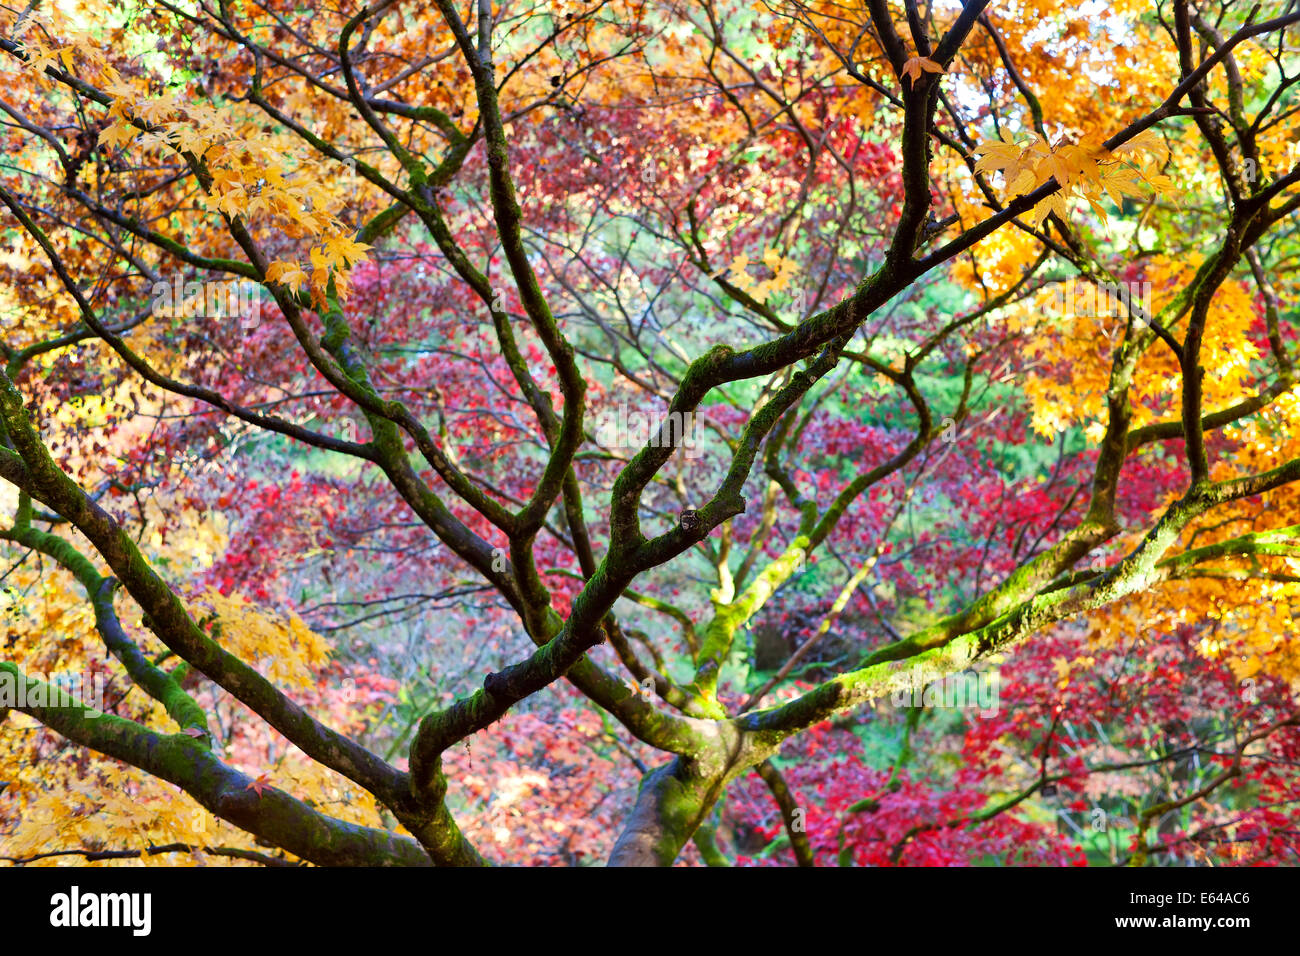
{"type": "Point", "coordinates": [561, 433]}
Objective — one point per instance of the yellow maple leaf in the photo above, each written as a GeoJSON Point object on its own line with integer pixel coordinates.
{"type": "Point", "coordinates": [233, 202]}
{"type": "Point", "coordinates": [738, 272]}
{"type": "Point", "coordinates": [288, 274]}
{"type": "Point", "coordinates": [117, 134]}
{"type": "Point", "coordinates": [917, 66]}
{"type": "Point", "coordinates": [1147, 148]}
{"type": "Point", "coordinates": [157, 109]}
{"type": "Point", "coordinates": [340, 252]}
{"type": "Point", "coordinates": [1019, 163]}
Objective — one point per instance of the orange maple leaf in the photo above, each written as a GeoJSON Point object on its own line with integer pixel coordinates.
{"type": "Point", "coordinates": [259, 785]}
{"type": "Point", "coordinates": [918, 66]}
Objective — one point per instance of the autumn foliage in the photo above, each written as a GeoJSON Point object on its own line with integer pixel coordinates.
{"type": "Point", "coordinates": [650, 433]}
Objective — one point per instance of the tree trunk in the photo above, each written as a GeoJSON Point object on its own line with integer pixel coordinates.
{"type": "Point", "coordinates": [670, 806]}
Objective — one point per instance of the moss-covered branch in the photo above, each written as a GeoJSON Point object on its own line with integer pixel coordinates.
{"type": "Point", "coordinates": [271, 815]}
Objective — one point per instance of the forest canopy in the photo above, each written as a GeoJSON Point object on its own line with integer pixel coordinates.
{"type": "Point", "coordinates": [650, 432]}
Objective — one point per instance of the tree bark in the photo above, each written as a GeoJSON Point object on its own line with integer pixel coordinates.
{"type": "Point", "coordinates": [670, 806]}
